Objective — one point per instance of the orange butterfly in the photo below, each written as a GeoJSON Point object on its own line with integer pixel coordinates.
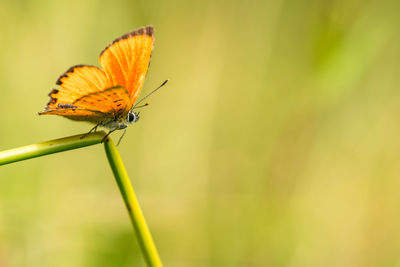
{"type": "Point", "coordinates": [106, 96]}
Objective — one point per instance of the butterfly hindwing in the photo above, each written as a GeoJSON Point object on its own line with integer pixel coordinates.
{"type": "Point", "coordinates": [114, 100]}
{"type": "Point", "coordinates": [127, 58]}
{"type": "Point", "coordinates": [76, 113]}
{"type": "Point", "coordinates": [111, 103]}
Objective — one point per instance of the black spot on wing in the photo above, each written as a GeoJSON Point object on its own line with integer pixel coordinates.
{"type": "Point", "coordinates": [52, 101]}
{"type": "Point", "coordinates": [52, 94]}
{"type": "Point", "coordinates": [54, 91]}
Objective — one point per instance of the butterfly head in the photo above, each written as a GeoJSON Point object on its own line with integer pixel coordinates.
{"type": "Point", "coordinates": [132, 117]}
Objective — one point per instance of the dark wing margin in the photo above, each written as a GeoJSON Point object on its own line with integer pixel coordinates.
{"type": "Point", "coordinates": [147, 30]}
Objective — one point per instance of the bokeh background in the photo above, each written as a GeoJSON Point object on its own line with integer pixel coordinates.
{"type": "Point", "coordinates": [275, 143]}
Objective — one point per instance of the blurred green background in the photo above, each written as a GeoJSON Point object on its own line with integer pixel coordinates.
{"type": "Point", "coordinates": [275, 143]}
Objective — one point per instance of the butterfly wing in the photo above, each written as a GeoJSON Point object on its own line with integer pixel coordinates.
{"type": "Point", "coordinates": [114, 100]}
{"type": "Point", "coordinates": [76, 113]}
{"type": "Point", "coordinates": [127, 59]}
{"type": "Point", "coordinates": [76, 82]}
{"type": "Point", "coordinates": [109, 104]}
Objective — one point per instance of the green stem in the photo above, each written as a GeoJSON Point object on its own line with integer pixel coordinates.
{"type": "Point", "coordinates": [58, 145]}
{"type": "Point", "coordinates": [49, 147]}
{"type": "Point", "coordinates": [135, 213]}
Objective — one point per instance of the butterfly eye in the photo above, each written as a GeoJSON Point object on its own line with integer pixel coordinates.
{"type": "Point", "coordinates": [132, 117]}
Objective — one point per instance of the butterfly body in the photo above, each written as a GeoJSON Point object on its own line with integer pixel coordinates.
{"type": "Point", "coordinates": [106, 96]}
{"type": "Point", "coordinates": [121, 123]}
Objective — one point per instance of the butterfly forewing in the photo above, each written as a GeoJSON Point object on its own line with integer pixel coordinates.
{"type": "Point", "coordinates": [127, 59]}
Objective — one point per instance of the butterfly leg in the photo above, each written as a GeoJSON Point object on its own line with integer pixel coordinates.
{"type": "Point", "coordinates": [105, 137]}
{"type": "Point", "coordinates": [91, 130]}
{"type": "Point", "coordinates": [119, 141]}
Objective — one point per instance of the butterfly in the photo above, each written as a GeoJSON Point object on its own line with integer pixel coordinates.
{"type": "Point", "coordinates": [106, 96]}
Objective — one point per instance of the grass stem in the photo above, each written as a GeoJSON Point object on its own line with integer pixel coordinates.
{"type": "Point", "coordinates": [49, 147]}
{"type": "Point", "coordinates": [135, 213]}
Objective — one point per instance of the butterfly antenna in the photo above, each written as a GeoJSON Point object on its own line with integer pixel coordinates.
{"type": "Point", "coordinates": [149, 94]}
{"type": "Point", "coordinates": [144, 105]}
